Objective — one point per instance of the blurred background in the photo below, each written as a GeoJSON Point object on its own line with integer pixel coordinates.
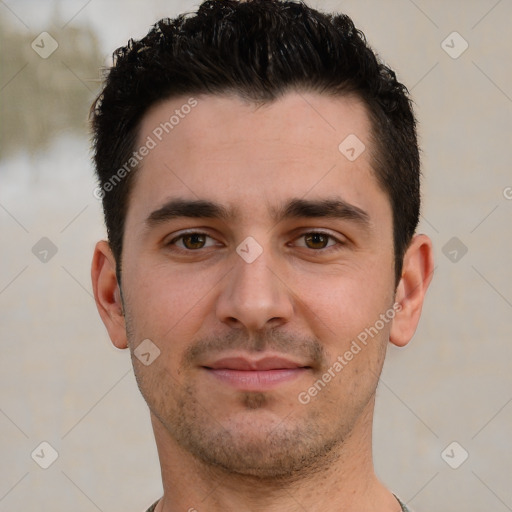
{"type": "Point", "coordinates": [444, 411]}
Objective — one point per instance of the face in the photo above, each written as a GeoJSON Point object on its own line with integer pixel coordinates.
{"type": "Point", "coordinates": [256, 256]}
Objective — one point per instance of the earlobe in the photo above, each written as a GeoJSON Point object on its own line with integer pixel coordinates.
{"type": "Point", "coordinates": [417, 271]}
{"type": "Point", "coordinates": [107, 294]}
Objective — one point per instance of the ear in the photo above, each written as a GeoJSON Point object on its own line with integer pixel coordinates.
{"type": "Point", "coordinates": [107, 293]}
{"type": "Point", "coordinates": [417, 271]}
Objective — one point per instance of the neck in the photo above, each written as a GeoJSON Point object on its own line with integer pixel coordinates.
{"type": "Point", "coordinates": [346, 482]}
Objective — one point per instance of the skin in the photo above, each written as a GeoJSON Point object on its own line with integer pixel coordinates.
{"type": "Point", "coordinates": [222, 447]}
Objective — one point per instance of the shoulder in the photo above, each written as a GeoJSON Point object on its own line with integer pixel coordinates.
{"type": "Point", "coordinates": [404, 507]}
{"type": "Point", "coordinates": [152, 508]}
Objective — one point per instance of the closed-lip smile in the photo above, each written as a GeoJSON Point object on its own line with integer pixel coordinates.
{"type": "Point", "coordinates": [249, 374]}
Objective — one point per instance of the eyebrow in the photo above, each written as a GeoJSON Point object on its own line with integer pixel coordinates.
{"type": "Point", "coordinates": [318, 208]}
{"type": "Point", "coordinates": [191, 208]}
{"type": "Point", "coordinates": [293, 209]}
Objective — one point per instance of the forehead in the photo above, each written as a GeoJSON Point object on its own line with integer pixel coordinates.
{"type": "Point", "coordinates": [224, 149]}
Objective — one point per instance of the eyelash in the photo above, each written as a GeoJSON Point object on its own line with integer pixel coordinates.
{"type": "Point", "coordinates": [338, 246]}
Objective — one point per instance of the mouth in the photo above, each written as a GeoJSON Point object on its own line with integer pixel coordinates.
{"type": "Point", "coordinates": [255, 375]}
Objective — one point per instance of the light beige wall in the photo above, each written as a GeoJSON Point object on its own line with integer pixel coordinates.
{"type": "Point", "coordinates": [62, 382]}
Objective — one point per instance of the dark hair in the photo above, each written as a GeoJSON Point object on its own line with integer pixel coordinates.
{"type": "Point", "coordinates": [258, 50]}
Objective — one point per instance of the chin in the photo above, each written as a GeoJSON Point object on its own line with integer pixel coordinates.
{"type": "Point", "coordinates": [259, 444]}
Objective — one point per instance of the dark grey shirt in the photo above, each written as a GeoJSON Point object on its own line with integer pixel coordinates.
{"type": "Point", "coordinates": [404, 508]}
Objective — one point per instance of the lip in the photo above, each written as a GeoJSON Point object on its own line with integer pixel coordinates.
{"type": "Point", "coordinates": [246, 364]}
{"type": "Point", "coordinates": [255, 375]}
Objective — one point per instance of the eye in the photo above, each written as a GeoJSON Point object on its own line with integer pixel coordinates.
{"type": "Point", "coordinates": [191, 241]}
{"type": "Point", "coordinates": [318, 240]}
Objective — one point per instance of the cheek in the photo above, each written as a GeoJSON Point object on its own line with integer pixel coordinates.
{"type": "Point", "coordinates": [343, 305]}
{"type": "Point", "coordinates": [166, 304]}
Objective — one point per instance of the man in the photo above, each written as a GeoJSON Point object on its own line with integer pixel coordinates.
{"type": "Point", "coordinates": [259, 171]}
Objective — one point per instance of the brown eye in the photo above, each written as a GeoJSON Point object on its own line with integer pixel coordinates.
{"type": "Point", "coordinates": [316, 240]}
{"type": "Point", "coordinates": [320, 242]}
{"type": "Point", "coordinates": [194, 241]}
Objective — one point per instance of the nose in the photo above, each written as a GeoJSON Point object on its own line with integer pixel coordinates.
{"type": "Point", "coordinates": [255, 296]}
